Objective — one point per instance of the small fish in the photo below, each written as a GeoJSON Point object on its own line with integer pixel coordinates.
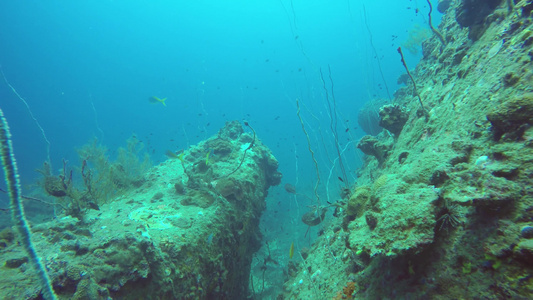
{"type": "Point", "coordinates": [347, 129]}
{"type": "Point", "coordinates": [340, 179]}
{"type": "Point", "coordinates": [291, 250]}
{"type": "Point", "coordinates": [171, 154]}
{"type": "Point", "coordinates": [207, 157]}
{"type": "Point", "coordinates": [291, 189]}
{"type": "Point", "coordinates": [154, 99]}
{"type": "Point", "coordinates": [180, 156]}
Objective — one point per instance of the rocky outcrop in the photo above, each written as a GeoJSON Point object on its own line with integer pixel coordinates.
{"type": "Point", "coordinates": [189, 232]}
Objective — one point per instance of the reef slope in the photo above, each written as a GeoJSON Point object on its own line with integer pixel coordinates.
{"type": "Point", "coordinates": [443, 206]}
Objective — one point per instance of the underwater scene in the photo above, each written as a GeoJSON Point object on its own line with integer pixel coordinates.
{"type": "Point", "coordinates": [282, 149]}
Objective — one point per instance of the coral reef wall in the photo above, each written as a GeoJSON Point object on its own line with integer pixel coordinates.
{"type": "Point", "coordinates": [188, 232]}
{"type": "Point", "coordinates": [443, 206]}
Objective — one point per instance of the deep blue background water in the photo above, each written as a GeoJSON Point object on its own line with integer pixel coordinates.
{"type": "Point", "coordinates": [87, 69]}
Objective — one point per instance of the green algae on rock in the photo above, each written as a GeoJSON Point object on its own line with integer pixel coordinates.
{"type": "Point", "coordinates": [445, 222]}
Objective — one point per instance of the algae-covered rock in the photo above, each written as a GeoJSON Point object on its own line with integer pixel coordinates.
{"type": "Point", "coordinates": [7, 234]}
{"type": "Point", "coordinates": [220, 147]}
{"type": "Point", "coordinates": [510, 79]}
{"type": "Point", "coordinates": [402, 222]}
{"type": "Point", "coordinates": [231, 131]}
{"type": "Point", "coordinates": [87, 289]}
{"type": "Point", "coordinates": [370, 145]}
{"type": "Point", "coordinates": [371, 220]}
{"type": "Point", "coordinates": [200, 198]}
{"type": "Point", "coordinates": [179, 187]}
{"type": "Point", "coordinates": [14, 263]}
{"type": "Point", "coordinates": [380, 181]}
{"type": "Point", "coordinates": [403, 157]}
{"type": "Point", "coordinates": [75, 272]}
{"type": "Point", "coordinates": [358, 201]}
{"type": "Point", "coordinates": [497, 192]}
{"type": "Point", "coordinates": [439, 177]}
{"type": "Point", "coordinates": [270, 164]}
{"type": "Point", "coordinates": [473, 14]}
{"type": "Point", "coordinates": [229, 188]}
{"type": "Point", "coordinates": [476, 185]}
{"type": "Point", "coordinates": [524, 251]}
{"type": "Point", "coordinates": [502, 241]}
{"type": "Point", "coordinates": [510, 117]}
{"type": "Point", "coordinates": [443, 5]}
{"type": "Point", "coordinates": [462, 149]}
{"type": "Point", "coordinates": [160, 240]}
{"type": "Point", "coordinates": [393, 117]}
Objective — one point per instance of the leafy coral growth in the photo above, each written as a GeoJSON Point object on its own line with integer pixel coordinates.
{"type": "Point", "coordinates": [129, 168]}
{"type": "Point", "coordinates": [417, 35]}
{"type": "Point", "coordinates": [102, 178]}
{"type": "Point", "coordinates": [106, 178]}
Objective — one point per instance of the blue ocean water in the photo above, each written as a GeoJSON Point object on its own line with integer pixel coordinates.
{"type": "Point", "coordinates": [87, 69]}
